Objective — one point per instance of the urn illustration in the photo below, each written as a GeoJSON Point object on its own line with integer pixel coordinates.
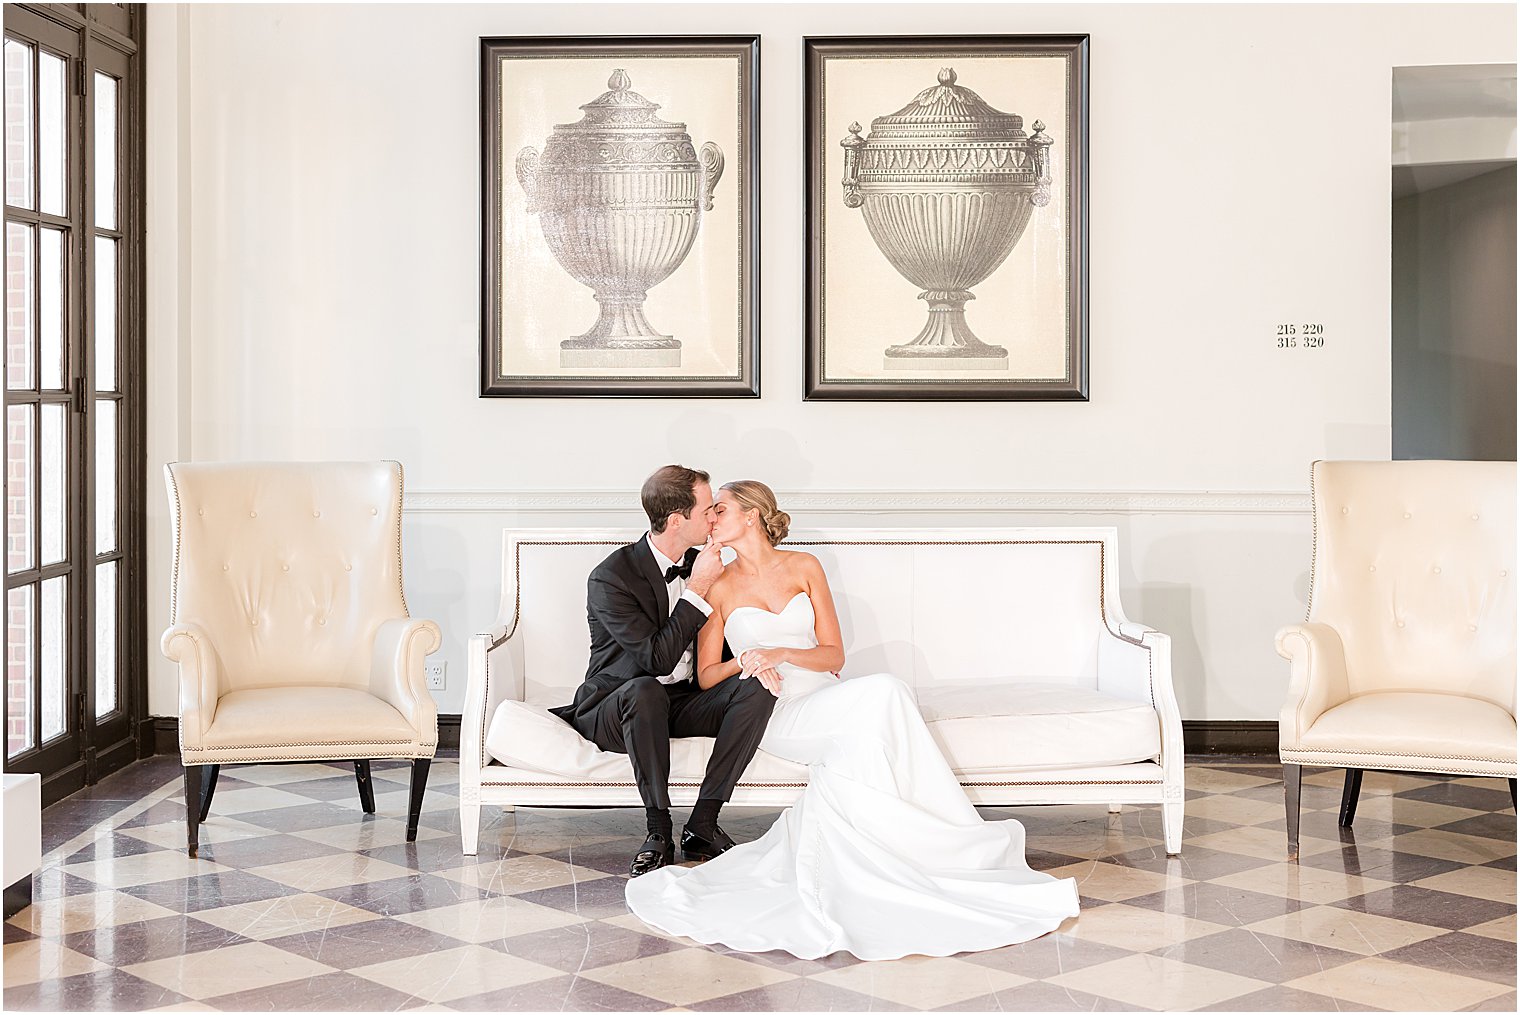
{"type": "Point", "coordinates": [620, 196]}
{"type": "Point", "coordinates": [947, 185]}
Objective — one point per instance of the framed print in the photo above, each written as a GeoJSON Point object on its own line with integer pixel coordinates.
{"type": "Point", "coordinates": [947, 217]}
{"type": "Point", "coordinates": [619, 216]}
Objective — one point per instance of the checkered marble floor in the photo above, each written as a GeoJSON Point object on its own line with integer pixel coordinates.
{"type": "Point", "coordinates": [301, 902]}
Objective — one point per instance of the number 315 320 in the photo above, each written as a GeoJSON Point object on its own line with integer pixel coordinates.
{"type": "Point", "coordinates": [1296, 336]}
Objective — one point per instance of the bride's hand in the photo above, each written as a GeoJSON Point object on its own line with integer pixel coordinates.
{"type": "Point", "coordinates": [762, 665]}
{"type": "Point", "coordinates": [756, 659]}
{"type": "Point", "coordinates": [771, 679]}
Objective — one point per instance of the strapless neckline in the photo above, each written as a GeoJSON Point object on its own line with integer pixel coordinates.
{"type": "Point", "coordinates": [773, 613]}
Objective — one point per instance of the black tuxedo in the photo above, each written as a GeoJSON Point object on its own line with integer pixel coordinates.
{"type": "Point", "coordinates": [621, 706]}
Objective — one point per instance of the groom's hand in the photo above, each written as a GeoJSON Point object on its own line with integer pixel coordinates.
{"type": "Point", "coordinates": [706, 568]}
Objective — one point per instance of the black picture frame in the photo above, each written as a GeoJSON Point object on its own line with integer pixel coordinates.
{"type": "Point", "coordinates": [496, 257]}
{"type": "Point", "coordinates": [823, 185]}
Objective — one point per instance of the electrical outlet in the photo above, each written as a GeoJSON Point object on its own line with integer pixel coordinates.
{"type": "Point", "coordinates": [436, 675]}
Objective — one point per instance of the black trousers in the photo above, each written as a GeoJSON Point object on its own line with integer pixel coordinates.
{"type": "Point", "coordinates": [639, 718]}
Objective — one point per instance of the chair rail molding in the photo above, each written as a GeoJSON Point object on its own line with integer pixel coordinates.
{"type": "Point", "coordinates": [1101, 502]}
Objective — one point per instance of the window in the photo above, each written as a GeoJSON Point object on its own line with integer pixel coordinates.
{"type": "Point", "coordinates": [74, 488]}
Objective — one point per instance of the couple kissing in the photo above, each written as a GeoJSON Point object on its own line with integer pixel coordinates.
{"type": "Point", "coordinates": [883, 855]}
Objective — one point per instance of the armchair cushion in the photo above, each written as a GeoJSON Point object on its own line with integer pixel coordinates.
{"type": "Point", "coordinates": [274, 724]}
{"type": "Point", "coordinates": [279, 723]}
{"type": "Point", "coordinates": [1412, 730]}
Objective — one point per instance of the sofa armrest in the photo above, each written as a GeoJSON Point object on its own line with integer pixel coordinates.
{"type": "Point", "coordinates": [397, 674]}
{"type": "Point", "coordinates": [1316, 678]}
{"type": "Point", "coordinates": [495, 675]}
{"type": "Point", "coordinates": [1136, 665]}
{"type": "Point", "coordinates": [1126, 663]}
{"type": "Point", "coordinates": [201, 684]}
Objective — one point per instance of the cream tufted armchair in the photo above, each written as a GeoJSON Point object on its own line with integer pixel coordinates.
{"type": "Point", "coordinates": [289, 624]}
{"type": "Point", "coordinates": [1406, 661]}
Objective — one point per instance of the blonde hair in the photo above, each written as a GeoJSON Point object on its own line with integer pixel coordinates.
{"type": "Point", "coordinates": [753, 495]}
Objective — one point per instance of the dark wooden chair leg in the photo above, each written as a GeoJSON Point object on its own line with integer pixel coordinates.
{"type": "Point", "coordinates": [1350, 795]}
{"type": "Point", "coordinates": [366, 787]}
{"type": "Point", "coordinates": [210, 788]}
{"type": "Point", "coordinates": [1512, 794]}
{"type": "Point", "coordinates": [1292, 791]}
{"type": "Point", "coordinates": [193, 808]}
{"type": "Point", "coordinates": [420, 768]}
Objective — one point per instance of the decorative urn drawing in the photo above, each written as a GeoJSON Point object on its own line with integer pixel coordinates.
{"type": "Point", "coordinates": [947, 185]}
{"type": "Point", "coordinates": [620, 196]}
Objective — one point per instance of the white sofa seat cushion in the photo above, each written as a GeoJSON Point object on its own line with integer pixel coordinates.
{"type": "Point", "coordinates": [999, 727]}
{"type": "Point", "coordinates": [280, 717]}
{"type": "Point", "coordinates": [980, 727]}
{"type": "Point", "coordinates": [1414, 724]}
{"type": "Point", "coordinates": [526, 736]}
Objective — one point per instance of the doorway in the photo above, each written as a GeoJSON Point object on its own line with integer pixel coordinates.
{"type": "Point", "coordinates": [1454, 264]}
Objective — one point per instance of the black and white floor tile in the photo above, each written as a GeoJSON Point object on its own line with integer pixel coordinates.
{"type": "Point", "coordinates": [301, 902]}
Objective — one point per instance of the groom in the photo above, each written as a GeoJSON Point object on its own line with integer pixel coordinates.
{"type": "Point", "coordinates": [641, 689]}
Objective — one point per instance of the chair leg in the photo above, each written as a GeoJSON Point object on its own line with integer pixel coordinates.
{"type": "Point", "coordinates": [1350, 795]}
{"type": "Point", "coordinates": [366, 786]}
{"type": "Point", "coordinates": [1292, 791]}
{"type": "Point", "coordinates": [209, 790]}
{"type": "Point", "coordinates": [192, 808]}
{"type": "Point", "coordinates": [420, 768]}
{"type": "Point", "coordinates": [469, 828]}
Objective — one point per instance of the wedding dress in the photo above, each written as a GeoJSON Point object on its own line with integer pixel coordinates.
{"type": "Point", "coordinates": [882, 856]}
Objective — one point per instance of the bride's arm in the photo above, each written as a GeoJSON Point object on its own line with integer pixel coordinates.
{"type": "Point", "coordinates": [711, 669]}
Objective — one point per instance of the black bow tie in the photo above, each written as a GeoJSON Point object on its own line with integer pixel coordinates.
{"type": "Point", "coordinates": [683, 569]}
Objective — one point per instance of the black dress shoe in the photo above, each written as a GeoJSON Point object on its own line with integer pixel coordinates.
{"type": "Point", "coordinates": [704, 847]}
{"type": "Point", "coordinates": [656, 852]}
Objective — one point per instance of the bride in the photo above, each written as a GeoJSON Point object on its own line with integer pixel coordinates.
{"type": "Point", "coordinates": [882, 856]}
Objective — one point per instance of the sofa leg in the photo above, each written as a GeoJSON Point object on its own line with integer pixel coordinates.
{"type": "Point", "coordinates": [1115, 808]}
{"type": "Point", "coordinates": [1171, 826]}
{"type": "Point", "coordinates": [192, 809]}
{"type": "Point", "coordinates": [210, 788]}
{"type": "Point", "coordinates": [366, 785]}
{"type": "Point", "coordinates": [1292, 792]}
{"type": "Point", "coordinates": [469, 828]}
{"type": "Point", "coordinates": [420, 768]}
{"type": "Point", "coordinates": [1512, 794]}
{"type": "Point", "coordinates": [1350, 795]}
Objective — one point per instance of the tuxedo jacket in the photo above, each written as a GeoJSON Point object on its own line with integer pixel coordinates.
{"type": "Point", "coordinates": [633, 631]}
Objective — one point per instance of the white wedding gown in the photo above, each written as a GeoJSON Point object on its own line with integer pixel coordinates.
{"type": "Point", "coordinates": [882, 856]}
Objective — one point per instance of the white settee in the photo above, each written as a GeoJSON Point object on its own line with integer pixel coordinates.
{"type": "Point", "coordinates": [1034, 684]}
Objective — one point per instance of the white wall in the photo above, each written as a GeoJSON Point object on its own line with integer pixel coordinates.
{"type": "Point", "coordinates": [313, 283]}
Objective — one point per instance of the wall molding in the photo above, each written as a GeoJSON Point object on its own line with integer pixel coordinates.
{"type": "Point", "coordinates": [1104, 502]}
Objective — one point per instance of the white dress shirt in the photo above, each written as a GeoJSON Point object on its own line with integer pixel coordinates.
{"type": "Point", "coordinates": [676, 591]}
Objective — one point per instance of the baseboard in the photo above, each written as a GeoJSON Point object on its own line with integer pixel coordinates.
{"type": "Point", "coordinates": [160, 734]}
{"type": "Point", "coordinates": [1245, 737]}
{"type": "Point", "coordinates": [448, 732]}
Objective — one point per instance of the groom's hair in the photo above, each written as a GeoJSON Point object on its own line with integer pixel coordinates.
{"type": "Point", "coordinates": [670, 490]}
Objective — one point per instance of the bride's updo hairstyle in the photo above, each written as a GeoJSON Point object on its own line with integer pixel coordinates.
{"type": "Point", "coordinates": [753, 495]}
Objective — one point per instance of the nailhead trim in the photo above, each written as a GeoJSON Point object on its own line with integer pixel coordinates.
{"type": "Point", "coordinates": [799, 785]}
{"type": "Point", "coordinates": [203, 757]}
{"type": "Point", "coordinates": [1397, 754]}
